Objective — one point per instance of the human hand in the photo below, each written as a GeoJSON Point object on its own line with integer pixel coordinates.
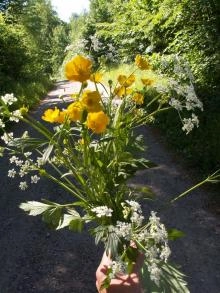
{"type": "Point", "coordinates": [122, 283]}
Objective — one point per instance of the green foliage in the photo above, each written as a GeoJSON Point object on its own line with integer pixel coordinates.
{"type": "Point", "coordinates": [187, 28]}
{"type": "Point", "coordinates": [172, 280]}
{"type": "Point", "coordinates": [32, 44]}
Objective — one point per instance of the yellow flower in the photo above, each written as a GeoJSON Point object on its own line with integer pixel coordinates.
{"type": "Point", "coordinates": [78, 69]}
{"type": "Point", "coordinates": [74, 111]}
{"type": "Point", "coordinates": [142, 63]}
{"type": "Point", "coordinates": [62, 117]}
{"type": "Point", "coordinates": [91, 99]}
{"type": "Point", "coordinates": [96, 77]}
{"type": "Point", "coordinates": [97, 122]}
{"type": "Point", "coordinates": [51, 115]}
{"type": "Point", "coordinates": [147, 81]}
{"type": "Point", "coordinates": [126, 81]}
{"type": "Point", "coordinates": [138, 98]}
{"type": "Point", "coordinates": [122, 91]}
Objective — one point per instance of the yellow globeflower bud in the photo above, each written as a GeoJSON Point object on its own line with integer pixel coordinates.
{"type": "Point", "coordinates": [122, 91]}
{"type": "Point", "coordinates": [147, 81]}
{"type": "Point", "coordinates": [91, 99]}
{"type": "Point", "coordinates": [78, 69]}
{"type": "Point", "coordinates": [141, 63]}
{"type": "Point", "coordinates": [126, 81]}
{"type": "Point", "coordinates": [74, 111]}
{"type": "Point", "coordinates": [138, 98]}
{"type": "Point", "coordinates": [96, 77]}
{"type": "Point", "coordinates": [97, 121]}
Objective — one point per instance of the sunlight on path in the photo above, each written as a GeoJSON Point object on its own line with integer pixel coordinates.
{"type": "Point", "coordinates": [65, 88]}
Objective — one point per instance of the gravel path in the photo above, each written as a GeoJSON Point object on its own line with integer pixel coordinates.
{"type": "Point", "coordinates": [35, 259]}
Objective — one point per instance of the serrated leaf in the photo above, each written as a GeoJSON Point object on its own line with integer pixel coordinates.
{"type": "Point", "coordinates": [34, 208]}
{"type": "Point", "coordinates": [64, 221]}
{"type": "Point", "coordinates": [171, 280]}
{"type": "Point", "coordinates": [52, 216]}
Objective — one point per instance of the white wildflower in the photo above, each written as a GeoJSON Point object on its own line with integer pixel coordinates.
{"type": "Point", "coordinates": [135, 206]}
{"type": "Point", "coordinates": [189, 123]}
{"type": "Point", "coordinates": [155, 273]}
{"type": "Point", "coordinates": [157, 230]}
{"type": "Point", "coordinates": [165, 252]}
{"type": "Point", "coordinates": [9, 99]}
{"type": "Point", "coordinates": [22, 172]}
{"type": "Point", "coordinates": [124, 230]}
{"type": "Point", "coordinates": [137, 218]}
{"type": "Point", "coordinates": [153, 219]}
{"type": "Point", "coordinates": [11, 173]}
{"type": "Point", "coordinates": [27, 154]}
{"type": "Point", "coordinates": [152, 254]}
{"type": "Point", "coordinates": [19, 163]}
{"type": "Point", "coordinates": [15, 116]}
{"type": "Point", "coordinates": [7, 137]}
{"type": "Point", "coordinates": [2, 124]}
{"type": "Point", "coordinates": [40, 162]}
{"type": "Point", "coordinates": [13, 159]}
{"type": "Point", "coordinates": [102, 211]}
{"type": "Point", "coordinates": [35, 179]}
{"type": "Point", "coordinates": [176, 104]}
{"type": "Point", "coordinates": [23, 185]}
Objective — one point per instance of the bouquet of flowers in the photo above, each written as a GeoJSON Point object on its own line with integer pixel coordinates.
{"type": "Point", "coordinates": [90, 148]}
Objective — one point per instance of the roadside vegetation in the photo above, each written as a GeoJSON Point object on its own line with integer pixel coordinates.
{"type": "Point", "coordinates": [32, 43]}
{"type": "Point", "coordinates": [115, 31]}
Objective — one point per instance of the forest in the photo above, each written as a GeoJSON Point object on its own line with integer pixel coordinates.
{"type": "Point", "coordinates": [35, 44]}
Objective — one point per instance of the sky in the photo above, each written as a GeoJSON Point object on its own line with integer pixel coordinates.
{"type": "Point", "coordinates": [65, 8]}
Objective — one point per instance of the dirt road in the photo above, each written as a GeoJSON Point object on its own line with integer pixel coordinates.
{"type": "Point", "coordinates": [35, 259]}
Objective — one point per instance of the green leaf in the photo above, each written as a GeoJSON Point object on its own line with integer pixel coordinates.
{"type": "Point", "coordinates": [175, 234]}
{"type": "Point", "coordinates": [76, 224]}
{"type": "Point", "coordinates": [65, 221]}
{"type": "Point", "coordinates": [53, 216]}
{"type": "Point", "coordinates": [47, 153]}
{"type": "Point", "coordinates": [171, 280]}
{"type": "Point", "coordinates": [34, 208]}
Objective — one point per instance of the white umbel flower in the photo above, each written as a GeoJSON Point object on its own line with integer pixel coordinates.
{"type": "Point", "coordinates": [23, 185]}
{"type": "Point", "coordinates": [9, 99]}
{"type": "Point", "coordinates": [35, 179]}
{"type": "Point", "coordinates": [11, 173]}
{"type": "Point", "coordinates": [102, 211]}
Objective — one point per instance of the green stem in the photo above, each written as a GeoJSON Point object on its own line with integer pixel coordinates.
{"type": "Point", "coordinates": [189, 190]}
{"type": "Point", "coordinates": [64, 186]}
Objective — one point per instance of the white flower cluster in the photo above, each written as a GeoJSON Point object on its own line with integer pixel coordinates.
{"type": "Point", "coordinates": [124, 230]}
{"type": "Point", "coordinates": [22, 168]}
{"type": "Point", "coordinates": [188, 99]}
{"type": "Point", "coordinates": [2, 124]}
{"type": "Point", "coordinates": [189, 123]}
{"type": "Point", "coordinates": [96, 44]}
{"type": "Point", "coordinates": [152, 237]}
{"type": "Point", "coordinates": [15, 116]}
{"type": "Point", "coordinates": [136, 212]}
{"type": "Point", "coordinates": [9, 99]}
{"type": "Point", "coordinates": [159, 250]}
{"type": "Point", "coordinates": [7, 137]}
{"type": "Point", "coordinates": [102, 211]}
